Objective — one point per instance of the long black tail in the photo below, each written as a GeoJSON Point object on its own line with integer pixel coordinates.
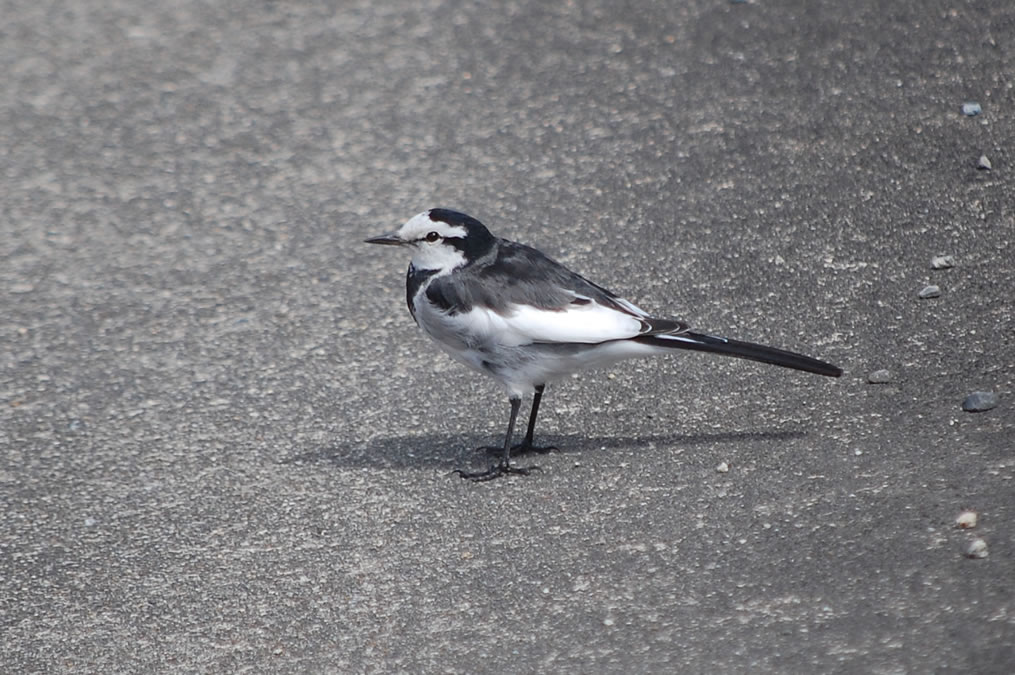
{"type": "Point", "coordinates": [742, 350]}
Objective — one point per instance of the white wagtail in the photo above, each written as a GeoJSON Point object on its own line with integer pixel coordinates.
{"type": "Point", "coordinates": [512, 313]}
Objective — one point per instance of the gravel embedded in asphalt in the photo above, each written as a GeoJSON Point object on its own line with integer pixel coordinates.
{"type": "Point", "coordinates": [881, 376]}
{"type": "Point", "coordinates": [942, 262]}
{"type": "Point", "coordinates": [980, 401]}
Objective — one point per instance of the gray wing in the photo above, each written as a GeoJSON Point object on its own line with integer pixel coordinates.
{"type": "Point", "coordinates": [517, 275]}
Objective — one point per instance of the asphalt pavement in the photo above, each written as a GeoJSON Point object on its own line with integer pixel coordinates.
{"type": "Point", "coordinates": [225, 446]}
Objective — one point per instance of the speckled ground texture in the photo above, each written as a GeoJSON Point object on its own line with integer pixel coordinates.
{"type": "Point", "coordinates": [225, 447]}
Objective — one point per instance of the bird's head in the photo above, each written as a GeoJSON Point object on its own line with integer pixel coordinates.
{"type": "Point", "coordinates": [440, 239]}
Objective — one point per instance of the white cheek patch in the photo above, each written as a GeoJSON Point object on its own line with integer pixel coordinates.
{"type": "Point", "coordinates": [437, 256]}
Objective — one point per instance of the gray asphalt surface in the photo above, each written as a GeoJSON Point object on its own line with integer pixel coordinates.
{"type": "Point", "coordinates": [225, 447]}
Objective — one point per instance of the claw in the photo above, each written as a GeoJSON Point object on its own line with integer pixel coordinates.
{"type": "Point", "coordinates": [496, 471]}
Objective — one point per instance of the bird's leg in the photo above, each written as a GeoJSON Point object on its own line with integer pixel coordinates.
{"type": "Point", "coordinates": [526, 445]}
{"type": "Point", "coordinates": [504, 468]}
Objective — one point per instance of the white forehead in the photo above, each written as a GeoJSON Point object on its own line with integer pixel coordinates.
{"type": "Point", "coordinates": [421, 224]}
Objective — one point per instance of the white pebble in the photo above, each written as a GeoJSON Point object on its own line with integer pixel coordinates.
{"type": "Point", "coordinates": [942, 262]}
{"type": "Point", "coordinates": [966, 520]}
{"type": "Point", "coordinates": [723, 467]}
{"type": "Point", "coordinates": [977, 548]}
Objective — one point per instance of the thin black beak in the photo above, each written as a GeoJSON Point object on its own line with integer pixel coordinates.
{"type": "Point", "coordinates": [391, 239]}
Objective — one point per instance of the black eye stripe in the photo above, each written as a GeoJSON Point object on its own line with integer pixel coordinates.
{"type": "Point", "coordinates": [456, 242]}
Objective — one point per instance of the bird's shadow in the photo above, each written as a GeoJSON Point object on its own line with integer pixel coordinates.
{"type": "Point", "coordinates": [447, 452]}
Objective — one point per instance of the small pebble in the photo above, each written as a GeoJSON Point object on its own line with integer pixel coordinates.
{"type": "Point", "coordinates": [977, 548]}
{"type": "Point", "coordinates": [980, 401]}
{"type": "Point", "coordinates": [966, 520]}
{"type": "Point", "coordinates": [90, 522]}
{"type": "Point", "coordinates": [880, 377]}
{"type": "Point", "coordinates": [983, 164]}
{"type": "Point", "coordinates": [942, 262]}
{"type": "Point", "coordinates": [971, 109]}
{"type": "Point", "coordinates": [930, 292]}
{"type": "Point", "coordinates": [723, 467]}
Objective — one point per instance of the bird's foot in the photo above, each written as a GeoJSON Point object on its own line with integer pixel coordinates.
{"type": "Point", "coordinates": [496, 471]}
{"type": "Point", "coordinates": [520, 449]}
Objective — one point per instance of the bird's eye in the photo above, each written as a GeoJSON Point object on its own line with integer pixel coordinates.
{"type": "Point", "coordinates": [432, 237]}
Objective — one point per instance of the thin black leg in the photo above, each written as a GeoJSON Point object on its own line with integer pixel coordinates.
{"type": "Point", "coordinates": [536, 398]}
{"type": "Point", "coordinates": [526, 445]}
{"type": "Point", "coordinates": [516, 403]}
{"type": "Point", "coordinates": [505, 467]}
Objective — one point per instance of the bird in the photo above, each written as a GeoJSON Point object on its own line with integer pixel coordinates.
{"type": "Point", "coordinates": [511, 312]}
